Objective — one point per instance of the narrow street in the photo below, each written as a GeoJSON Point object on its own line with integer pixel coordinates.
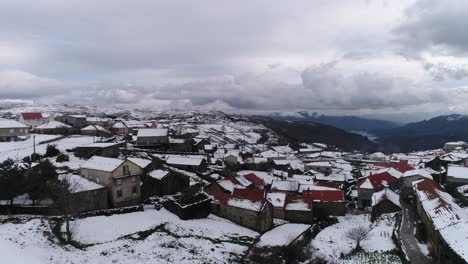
{"type": "Point", "coordinates": [410, 244]}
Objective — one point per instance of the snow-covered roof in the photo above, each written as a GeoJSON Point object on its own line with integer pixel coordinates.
{"type": "Point", "coordinates": [277, 199]}
{"type": "Point", "coordinates": [94, 128]}
{"type": "Point", "coordinates": [385, 194]}
{"type": "Point", "coordinates": [78, 184]}
{"type": "Point", "coordinates": [287, 185]}
{"type": "Point", "coordinates": [417, 172]}
{"type": "Point", "coordinates": [245, 204]}
{"type": "Point", "coordinates": [320, 164]}
{"type": "Point", "coordinates": [298, 205]}
{"type": "Point", "coordinates": [227, 185]}
{"type": "Point", "coordinates": [5, 123]}
{"type": "Point", "coordinates": [457, 172]}
{"type": "Point", "coordinates": [102, 164]}
{"type": "Point", "coordinates": [142, 163]}
{"type": "Point", "coordinates": [152, 132]}
{"type": "Point", "coordinates": [187, 161]}
{"type": "Point", "coordinates": [53, 125]}
{"type": "Point", "coordinates": [158, 174]}
{"type": "Point", "coordinates": [282, 149]}
{"type": "Point", "coordinates": [447, 217]}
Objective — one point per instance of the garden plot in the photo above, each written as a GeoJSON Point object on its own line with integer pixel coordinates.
{"type": "Point", "coordinates": [332, 243]}
{"type": "Point", "coordinates": [282, 235]}
{"type": "Point", "coordinates": [142, 237]}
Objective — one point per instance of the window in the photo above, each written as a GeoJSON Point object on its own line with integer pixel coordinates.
{"type": "Point", "coordinates": [125, 170]}
{"type": "Point", "coordinates": [98, 180]}
{"type": "Point", "coordinates": [119, 191]}
{"type": "Point", "coordinates": [12, 131]}
{"type": "Point", "coordinates": [134, 189]}
{"type": "Point", "coordinates": [119, 182]}
{"type": "Point", "coordinates": [133, 179]}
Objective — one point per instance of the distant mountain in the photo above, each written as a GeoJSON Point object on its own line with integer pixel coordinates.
{"type": "Point", "coordinates": [427, 134]}
{"type": "Point", "coordinates": [344, 122]}
{"type": "Point", "coordinates": [309, 132]}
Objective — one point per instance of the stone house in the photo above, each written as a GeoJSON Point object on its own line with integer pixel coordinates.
{"type": "Point", "coordinates": [444, 222]}
{"type": "Point", "coordinates": [164, 182]}
{"type": "Point", "coordinates": [194, 207]}
{"type": "Point", "coordinates": [109, 150]}
{"type": "Point", "coordinates": [298, 210]}
{"type": "Point", "coordinates": [152, 137]}
{"type": "Point", "coordinates": [193, 164]}
{"type": "Point", "coordinates": [326, 201]}
{"type": "Point", "coordinates": [324, 167]}
{"type": "Point", "coordinates": [75, 121]}
{"type": "Point", "coordinates": [95, 130]}
{"type": "Point", "coordinates": [227, 185]}
{"type": "Point", "coordinates": [384, 202]}
{"type": "Point", "coordinates": [246, 207]}
{"type": "Point", "coordinates": [367, 186]}
{"type": "Point", "coordinates": [121, 177]}
{"type": "Point", "coordinates": [11, 130]}
{"type": "Point", "coordinates": [456, 176]}
{"type": "Point", "coordinates": [407, 179]}
{"type": "Point", "coordinates": [84, 195]}
{"type": "Point", "coordinates": [278, 200]}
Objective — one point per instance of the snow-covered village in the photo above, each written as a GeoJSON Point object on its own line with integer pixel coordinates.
{"type": "Point", "coordinates": [233, 132]}
{"type": "Point", "coordinates": [193, 187]}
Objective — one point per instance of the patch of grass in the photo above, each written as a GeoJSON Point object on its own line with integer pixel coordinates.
{"type": "Point", "coordinates": [61, 236]}
{"type": "Point", "coordinates": [142, 235]}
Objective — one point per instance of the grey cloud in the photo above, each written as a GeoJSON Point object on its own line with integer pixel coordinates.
{"type": "Point", "coordinates": [434, 26]}
{"type": "Point", "coordinates": [363, 90]}
{"type": "Point", "coordinates": [441, 72]}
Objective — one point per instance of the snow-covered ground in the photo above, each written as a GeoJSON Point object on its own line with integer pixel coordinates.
{"type": "Point", "coordinates": [212, 240]}
{"type": "Point", "coordinates": [20, 149]}
{"type": "Point", "coordinates": [282, 235]}
{"type": "Point", "coordinates": [332, 242]}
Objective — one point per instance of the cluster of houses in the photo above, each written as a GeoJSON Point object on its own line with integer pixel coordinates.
{"type": "Point", "coordinates": [253, 183]}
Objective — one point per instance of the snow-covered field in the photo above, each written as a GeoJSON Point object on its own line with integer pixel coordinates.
{"type": "Point", "coordinates": [20, 149]}
{"type": "Point", "coordinates": [332, 242]}
{"type": "Point", "coordinates": [212, 240]}
{"type": "Point", "coordinates": [282, 235]}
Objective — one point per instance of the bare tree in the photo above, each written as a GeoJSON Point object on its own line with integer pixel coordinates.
{"type": "Point", "coordinates": [63, 200]}
{"type": "Point", "coordinates": [358, 234]}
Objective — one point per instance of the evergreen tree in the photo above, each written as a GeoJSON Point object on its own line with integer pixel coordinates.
{"type": "Point", "coordinates": [11, 180]}
{"type": "Point", "coordinates": [41, 177]}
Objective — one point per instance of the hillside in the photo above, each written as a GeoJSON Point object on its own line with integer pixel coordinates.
{"type": "Point", "coordinates": [315, 132]}
{"type": "Point", "coordinates": [426, 134]}
{"type": "Point", "coordinates": [344, 122]}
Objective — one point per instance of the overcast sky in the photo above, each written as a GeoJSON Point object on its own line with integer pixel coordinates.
{"type": "Point", "coordinates": [354, 57]}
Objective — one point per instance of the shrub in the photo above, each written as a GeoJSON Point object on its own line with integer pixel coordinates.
{"type": "Point", "coordinates": [51, 151]}
{"type": "Point", "coordinates": [62, 158]}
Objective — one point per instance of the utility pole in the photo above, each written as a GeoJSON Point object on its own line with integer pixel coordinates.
{"type": "Point", "coordinates": [34, 145]}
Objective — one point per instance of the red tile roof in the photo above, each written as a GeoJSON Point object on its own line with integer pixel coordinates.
{"type": "Point", "coordinates": [429, 187]}
{"type": "Point", "coordinates": [243, 194]}
{"type": "Point", "coordinates": [324, 195]}
{"type": "Point", "coordinates": [377, 180]}
{"type": "Point", "coordinates": [233, 179]}
{"type": "Point", "coordinates": [254, 179]}
{"type": "Point", "coordinates": [400, 166]}
{"type": "Point", "coordinates": [31, 116]}
{"type": "Point", "coordinates": [249, 194]}
{"type": "Point", "coordinates": [221, 197]}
